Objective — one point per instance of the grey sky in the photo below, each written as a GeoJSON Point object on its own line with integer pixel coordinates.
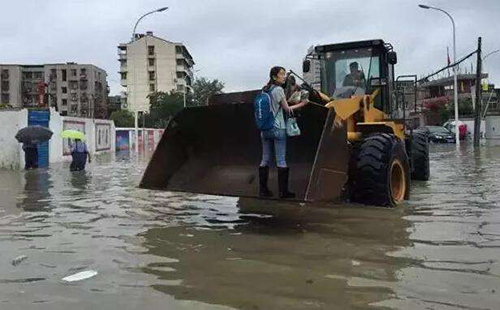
{"type": "Point", "coordinates": [238, 41]}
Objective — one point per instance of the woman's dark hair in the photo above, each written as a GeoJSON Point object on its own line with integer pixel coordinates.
{"type": "Point", "coordinates": [273, 74]}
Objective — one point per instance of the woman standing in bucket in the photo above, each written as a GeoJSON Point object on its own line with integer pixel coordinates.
{"type": "Point", "coordinates": [277, 135]}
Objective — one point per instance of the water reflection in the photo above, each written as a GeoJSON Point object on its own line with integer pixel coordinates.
{"type": "Point", "coordinates": [37, 184]}
{"type": "Point", "coordinates": [80, 180]}
{"type": "Point", "coordinates": [287, 255]}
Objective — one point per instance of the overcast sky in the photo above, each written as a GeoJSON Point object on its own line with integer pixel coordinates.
{"type": "Point", "coordinates": [238, 41]}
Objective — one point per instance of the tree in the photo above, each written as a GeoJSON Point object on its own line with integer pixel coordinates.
{"type": "Point", "coordinates": [203, 88]}
{"type": "Point", "coordinates": [123, 118]}
{"type": "Point", "coordinates": [163, 106]}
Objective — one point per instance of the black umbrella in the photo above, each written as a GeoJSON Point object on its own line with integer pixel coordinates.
{"type": "Point", "coordinates": [33, 134]}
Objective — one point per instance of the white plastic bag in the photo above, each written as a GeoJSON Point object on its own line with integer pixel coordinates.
{"type": "Point", "coordinates": [292, 128]}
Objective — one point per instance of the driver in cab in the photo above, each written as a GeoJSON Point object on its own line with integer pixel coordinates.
{"type": "Point", "coordinates": [356, 78]}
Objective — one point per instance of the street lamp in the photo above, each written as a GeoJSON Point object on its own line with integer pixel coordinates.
{"type": "Point", "coordinates": [136, 114]}
{"type": "Point", "coordinates": [490, 53]}
{"type": "Point", "coordinates": [455, 83]}
{"type": "Point", "coordinates": [149, 13]}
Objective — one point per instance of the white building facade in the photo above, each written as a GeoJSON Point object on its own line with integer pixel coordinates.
{"type": "Point", "coordinates": [150, 64]}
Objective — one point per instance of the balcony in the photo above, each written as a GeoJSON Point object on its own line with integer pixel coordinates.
{"type": "Point", "coordinates": [83, 76]}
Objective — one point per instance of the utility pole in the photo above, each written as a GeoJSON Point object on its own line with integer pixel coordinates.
{"type": "Point", "coordinates": [477, 119]}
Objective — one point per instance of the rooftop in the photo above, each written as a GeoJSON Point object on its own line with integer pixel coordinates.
{"type": "Point", "coordinates": [140, 36]}
{"type": "Point", "coordinates": [446, 81]}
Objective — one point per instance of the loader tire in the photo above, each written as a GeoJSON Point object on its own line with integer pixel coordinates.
{"type": "Point", "coordinates": [380, 171]}
{"type": "Point", "coordinates": [420, 156]}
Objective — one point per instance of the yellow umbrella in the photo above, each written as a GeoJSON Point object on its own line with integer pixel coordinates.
{"type": "Point", "coordinates": [73, 134]}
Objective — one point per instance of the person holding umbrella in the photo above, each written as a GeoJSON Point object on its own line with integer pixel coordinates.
{"type": "Point", "coordinates": [30, 155]}
{"type": "Point", "coordinates": [79, 151]}
{"type": "Point", "coordinates": [29, 137]}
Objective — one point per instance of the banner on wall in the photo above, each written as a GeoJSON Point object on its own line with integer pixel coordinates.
{"type": "Point", "coordinates": [102, 136]}
{"type": "Point", "coordinates": [132, 138]}
{"type": "Point", "coordinates": [151, 140]}
{"type": "Point", "coordinates": [122, 140]}
{"type": "Point", "coordinates": [71, 125]}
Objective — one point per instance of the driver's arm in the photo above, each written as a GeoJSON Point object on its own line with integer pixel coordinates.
{"type": "Point", "coordinates": [348, 80]}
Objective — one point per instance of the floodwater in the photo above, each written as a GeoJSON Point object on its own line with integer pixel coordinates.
{"type": "Point", "coordinates": [165, 250]}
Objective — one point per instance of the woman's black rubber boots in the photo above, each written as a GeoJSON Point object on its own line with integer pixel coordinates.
{"type": "Point", "coordinates": [283, 183]}
{"type": "Point", "coordinates": [263, 177]}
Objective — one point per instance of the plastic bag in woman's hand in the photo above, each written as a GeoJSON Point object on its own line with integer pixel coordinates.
{"type": "Point", "coordinates": [292, 128]}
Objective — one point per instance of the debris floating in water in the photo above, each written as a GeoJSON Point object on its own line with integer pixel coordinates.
{"type": "Point", "coordinates": [80, 276]}
{"type": "Point", "coordinates": [16, 261]}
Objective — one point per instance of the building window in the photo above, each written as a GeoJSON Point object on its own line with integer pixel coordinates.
{"type": "Point", "coordinates": [123, 75]}
{"type": "Point", "coordinates": [28, 75]}
{"type": "Point", "coordinates": [178, 50]}
{"type": "Point", "coordinates": [73, 85]}
{"type": "Point", "coordinates": [180, 75]}
{"type": "Point", "coordinates": [151, 75]}
{"type": "Point", "coordinates": [73, 72]}
{"type": "Point", "coordinates": [151, 62]}
{"type": "Point", "coordinates": [5, 73]}
{"type": "Point", "coordinates": [151, 50]}
{"type": "Point", "coordinates": [64, 90]}
{"type": "Point", "coordinates": [151, 87]}
{"type": "Point", "coordinates": [180, 87]}
{"type": "Point", "coordinates": [180, 62]}
{"type": "Point", "coordinates": [5, 98]}
{"type": "Point", "coordinates": [38, 75]}
{"type": "Point", "coordinates": [64, 77]}
{"type": "Point", "coordinates": [53, 74]}
{"type": "Point", "coordinates": [5, 85]}
{"type": "Point", "coordinates": [65, 102]}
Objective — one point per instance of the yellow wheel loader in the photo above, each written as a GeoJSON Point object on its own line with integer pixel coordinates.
{"type": "Point", "coordinates": [354, 143]}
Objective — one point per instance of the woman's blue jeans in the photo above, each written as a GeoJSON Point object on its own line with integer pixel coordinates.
{"type": "Point", "coordinates": [277, 138]}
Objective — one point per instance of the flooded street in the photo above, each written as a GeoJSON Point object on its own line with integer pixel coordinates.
{"type": "Point", "coordinates": [156, 249]}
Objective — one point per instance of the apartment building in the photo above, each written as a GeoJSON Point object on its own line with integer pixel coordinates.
{"type": "Point", "coordinates": [73, 89]}
{"type": "Point", "coordinates": [149, 64]}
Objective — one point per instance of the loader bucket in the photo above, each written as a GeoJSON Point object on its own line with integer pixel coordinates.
{"type": "Point", "coordinates": [217, 150]}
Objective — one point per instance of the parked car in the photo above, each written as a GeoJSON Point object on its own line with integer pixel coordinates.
{"type": "Point", "coordinates": [439, 134]}
{"type": "Point", "coordinates": [462, 128]}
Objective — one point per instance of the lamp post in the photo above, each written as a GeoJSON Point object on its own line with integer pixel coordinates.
{"type": "Point", "coordinates": [140, 18]}
{"type": "Point", "coordinates": [136, 114]}
{"type": "Point", "coordinates": [490, 53]}
{"type": "Point", "coordinates": [455, 83]}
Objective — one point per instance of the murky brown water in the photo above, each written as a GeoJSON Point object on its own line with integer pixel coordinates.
{"type": "Point", "coordinates": [174, 251]}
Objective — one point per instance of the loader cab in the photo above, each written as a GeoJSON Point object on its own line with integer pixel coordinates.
{"type": "Point", "coordinates": [357, 68]}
